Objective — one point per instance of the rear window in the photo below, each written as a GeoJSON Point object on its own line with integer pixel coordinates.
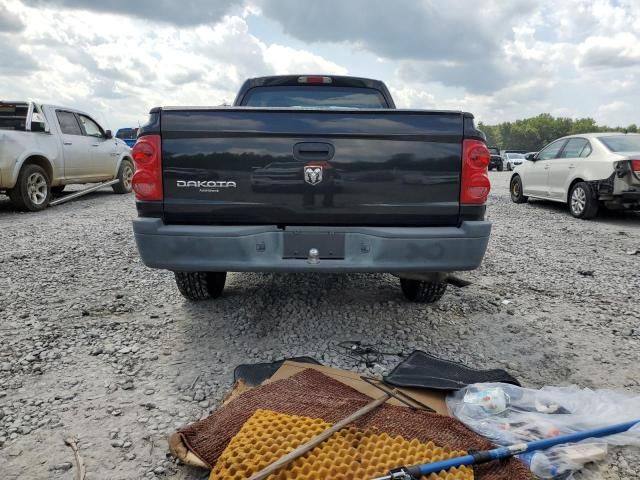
{"type": "Point", "coordinates": [622, 143]}
{"type": "Point", "coordinates": [127, 133]}
{"type": "Point", "coordinates": [494, 151]}
{"type": "Point", "coordinates": [13, 116]}
{"type": "Point", "coordinates": [317, 96]}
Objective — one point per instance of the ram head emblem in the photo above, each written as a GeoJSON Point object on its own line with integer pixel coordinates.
{"type": "Point", "coordinates": [313, 174]}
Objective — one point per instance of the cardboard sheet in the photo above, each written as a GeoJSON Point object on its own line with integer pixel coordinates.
{"type": "Point", "coordinates": [432, 398]}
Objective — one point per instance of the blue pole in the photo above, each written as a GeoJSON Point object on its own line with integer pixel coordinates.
{"type": "Point", "coordinates": [504, 452]}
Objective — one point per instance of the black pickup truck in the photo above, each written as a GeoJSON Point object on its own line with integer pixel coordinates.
{"type": "Point", "coordinates": [496, 159]}
{"type": "Point", "coordinates": [311, 174]}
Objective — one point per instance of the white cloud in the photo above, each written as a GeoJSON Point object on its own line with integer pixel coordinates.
{"type": "Point", "coordinates": [10, 21]}
{"type": "Point", "coordinates": [407, 97]}
{"type": "Point", "coordinates": [619, 50]}
{"type": "Point", "coordinates": [611, 113]}
{"type": "Point", "coordinates": [286, 60]}
{"type": "Point", "coordinates": [122, 66]}
{"type": "Point", "coordinates": [183, 12]}
{"type": "Point", "coordinates": [613, 107]}
{"type": "Point", "coordinates": [502, 61]}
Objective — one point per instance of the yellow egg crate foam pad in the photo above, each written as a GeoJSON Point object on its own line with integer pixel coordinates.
{"type": "Point", "coordinates": [348, 454]}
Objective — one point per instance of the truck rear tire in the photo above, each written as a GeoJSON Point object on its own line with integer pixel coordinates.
{"type": "Point", "coordinates": [32, 191]}
{"type": "Point", "coordinates": [125, 174]}
{"type": "Point", "coordinates": [200, 285]}
{"type": "Point", "coordinates": [421, 291]}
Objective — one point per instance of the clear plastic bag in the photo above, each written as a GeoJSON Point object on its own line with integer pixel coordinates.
{"type": "Point", "coordinates": [507, 414]}
{"type": "Point", "coordinates": [564, 459]}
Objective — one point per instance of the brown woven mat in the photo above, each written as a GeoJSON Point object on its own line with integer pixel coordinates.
{"type": "Point", "coordinates": [312, 394]}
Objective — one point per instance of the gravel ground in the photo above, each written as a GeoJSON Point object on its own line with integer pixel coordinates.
{"type": "Point", "coordinates": [95, 345]}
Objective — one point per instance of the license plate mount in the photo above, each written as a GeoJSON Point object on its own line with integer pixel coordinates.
{"type": "Point", "coordinates": [330, 245]}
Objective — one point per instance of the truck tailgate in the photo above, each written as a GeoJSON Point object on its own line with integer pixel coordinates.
{"type": "Point", "coordinates": [250, 166]}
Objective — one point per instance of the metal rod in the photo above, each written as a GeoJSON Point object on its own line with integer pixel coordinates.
{"type": "Point", "coordinates": [317, 440]}
{"type": "Point", "coordinates": [66, 198]}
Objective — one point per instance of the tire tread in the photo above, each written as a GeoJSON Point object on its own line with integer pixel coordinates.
{"type": "Point", "coordinates": [18, 195]}
{"type": "Point", "coordinates": [422, 291]}
{"type": "Point", "coordinates": [200, 285]}
{"type": "Point", "coordinates": [521, 198]}
{"type": "Point", "coordinates": [119, 187]}
{"type": "Point", "coordinates": [592, 206]}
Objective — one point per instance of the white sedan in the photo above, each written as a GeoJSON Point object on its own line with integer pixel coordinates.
{"type": "Point", "coordinates": [585, 171]}
{"type": "Point", "coordinates": [512, 160]}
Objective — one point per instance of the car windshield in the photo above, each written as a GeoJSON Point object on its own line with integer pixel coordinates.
{"type": "Point", "coordinates": [319, 97]}
{"type": "Point", "coordinates": [515, 155]}
{"type": "Point", "coordinates": [622, 143]}
{"type": "Point", "coordinates": [127, 133]}
{"type": "Point", "coordinates": [494, 151]}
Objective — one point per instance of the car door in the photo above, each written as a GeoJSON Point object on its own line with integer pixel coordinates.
{"type": "Point", "coordinates": [535, 182]}
{"type": "Point", "coordinates": [75, 146]}
{"type": "Point", "coordinates": [564, 165]}
{"type": "Point", "coordinates": [103, 150]}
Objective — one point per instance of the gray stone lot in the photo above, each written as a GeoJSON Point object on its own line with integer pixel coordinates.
{"type": "Point", "coordinates": [96, 346]}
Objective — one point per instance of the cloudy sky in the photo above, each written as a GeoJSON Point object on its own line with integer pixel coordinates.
{"type": "Point", "coordinates": [501, 60]}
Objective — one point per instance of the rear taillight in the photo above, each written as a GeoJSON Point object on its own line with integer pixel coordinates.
{"type": "Point", "coordinates": [147, 181]}
{"type": "Point", "coordinates": [635, 165]}
{"type": "Point", "coordinates": [474, 184]}
{"type": "Point", "coordinates": [314, 79]}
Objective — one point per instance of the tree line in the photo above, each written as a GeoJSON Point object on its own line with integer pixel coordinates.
{"type": "Point", "coordinates": [531, 134]}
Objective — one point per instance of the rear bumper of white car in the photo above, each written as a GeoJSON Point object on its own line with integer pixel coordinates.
{"type": "Point", "coordinates": [621, 189]}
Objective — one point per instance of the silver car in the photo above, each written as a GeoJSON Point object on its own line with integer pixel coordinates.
{"type": "Point", "coordinates": [43, 148]}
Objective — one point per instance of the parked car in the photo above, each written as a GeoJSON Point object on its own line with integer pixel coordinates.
{"type": "Point", "coordinates": [127, 135]}
{"type": "Point", "coordinates": [200, 216]}
{"type": "Point", "coordinates": [504, 152]}
{"type": "Point", "coordinates": [43, 148]}
{"type": "Point", "coordinates": [585, 171]}
{"type": "Point", "coordinates": [513, 159]}
{"type": "Point", "coordinates": [496, 159]}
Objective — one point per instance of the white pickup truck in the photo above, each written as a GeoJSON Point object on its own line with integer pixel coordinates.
{"type": "Point", "coordinates": [44, 147]}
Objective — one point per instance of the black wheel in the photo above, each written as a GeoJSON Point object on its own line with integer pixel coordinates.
{"type": "Point", "coordinates": [200, 285]}
{"type": "Point", "coordinates": [500, 168]}
{"type": "Point", "coordinates": [582, 202]}
{"type": "Point", "coordinates": [125, 174]}
{"type": "Point", "coordinates": [422, 291]}
{"type": "Point", "coordinates": [516, 190]}
{"type": "Point", "coordinates": [32, 191]}
{"type": "Point", "coordinates": [509, 166]}
{"type": "Point", "coordinates": [57, 190]}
